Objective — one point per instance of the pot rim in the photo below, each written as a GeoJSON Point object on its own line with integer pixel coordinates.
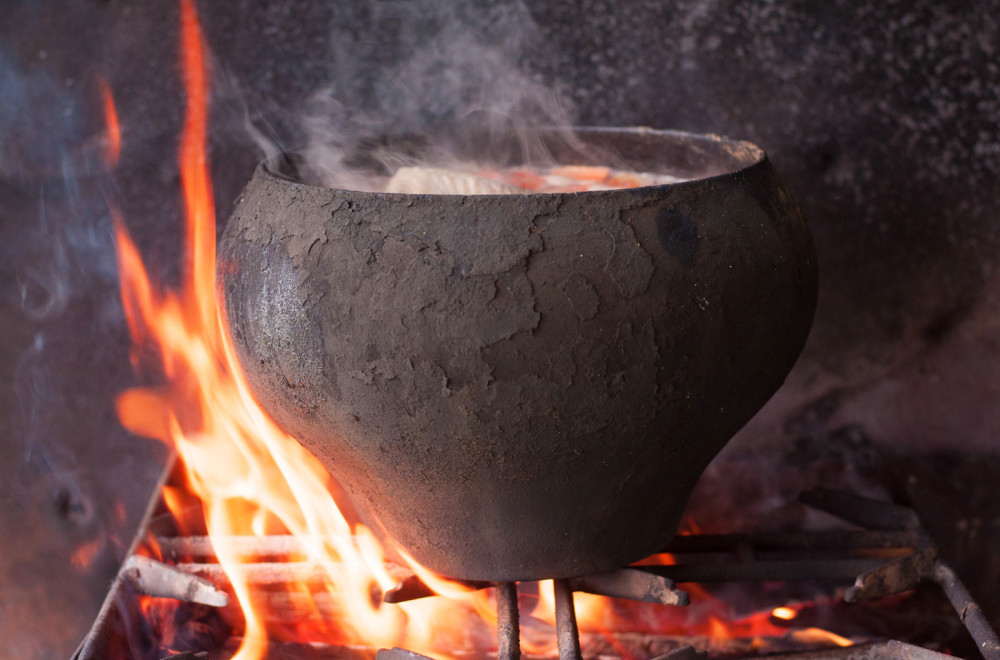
{"type": "Point", "coordinates": [754, 156]}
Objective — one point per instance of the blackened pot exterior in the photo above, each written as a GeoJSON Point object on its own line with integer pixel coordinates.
{"type": "Point", "coordinates": [523, 386]}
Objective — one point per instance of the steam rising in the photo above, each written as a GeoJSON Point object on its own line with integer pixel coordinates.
{"type": "Point", "coordinates": [462, 74]}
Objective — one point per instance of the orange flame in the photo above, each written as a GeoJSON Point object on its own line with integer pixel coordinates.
{"type": "Point", "coordinates": [245, 470]}
{"type": "Point", "coordinates": [818, 636]}
{"type": "Point", "coordinates": [85, 554]}
{"type": "Point", "coordinates": [114, 135]}
{"type": "Point", "coordinates": [784, 613]}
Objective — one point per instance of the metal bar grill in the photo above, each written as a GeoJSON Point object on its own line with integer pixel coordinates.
{"type": "Point", "coordinates": [885, 560]}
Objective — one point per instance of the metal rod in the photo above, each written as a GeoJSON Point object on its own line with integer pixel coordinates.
{"type": "Point", "coordinates": [567, 635]}
{"type": "Point", "coordinates": [969, 612]}
{"type": "Point", "coordinates": [753, 571]}
{"type": "Point", "coordinates": [508, 624]}
{"type": "Point", "coordinates": [863, 511]}
{"type": "Point", "coordinates": [296, 607]}
{"type": "Point", "coordinates": [247, 547]}
{"type": "Point", "coordinates": [263, 574]}
{"type": "Point", "coordinates": [811, 541]}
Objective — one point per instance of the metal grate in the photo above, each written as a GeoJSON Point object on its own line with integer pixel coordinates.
{"type": "Point", "coordinates": [906, 558]}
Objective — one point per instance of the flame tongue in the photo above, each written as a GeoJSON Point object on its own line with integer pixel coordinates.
{"type": "Point", "coordinates": [199, 206]}
{"type": "Point", "coordinates": [249, 475]}
{"type": "Point", "coordinates": [114, 135]}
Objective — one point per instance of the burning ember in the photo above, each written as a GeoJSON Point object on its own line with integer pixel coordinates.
{"type": "Point", "coordinates": [248, 483]}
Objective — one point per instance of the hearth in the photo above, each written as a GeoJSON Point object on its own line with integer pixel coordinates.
{"type": "Point", "coordinates": [905, 341]}
{"type": "Point", "coordinates": [172, 599]}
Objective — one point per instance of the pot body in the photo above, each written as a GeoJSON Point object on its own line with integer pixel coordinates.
{"type": "Point", "coordinates": [525, 386]}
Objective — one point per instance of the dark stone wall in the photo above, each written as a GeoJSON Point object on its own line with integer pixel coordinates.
{"type": "Point", "coordinates": [884, 117]}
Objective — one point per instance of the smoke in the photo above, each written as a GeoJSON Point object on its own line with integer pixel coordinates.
{"type": "Point", "coordinates": [430, 76]}
{"type": "Point", "coordinates": [33, 140]}
{"type": "Point", "coordinates": [57, 257]}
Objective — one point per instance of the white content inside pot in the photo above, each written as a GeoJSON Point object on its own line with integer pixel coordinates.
{"type": "Point", "coordinates": [479, 181]}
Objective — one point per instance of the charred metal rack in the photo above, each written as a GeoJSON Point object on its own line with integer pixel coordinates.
{"type": "Point", "coordinates": [887, 530]}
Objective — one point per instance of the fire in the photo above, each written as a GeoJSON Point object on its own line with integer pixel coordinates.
{"type": "Point", "coordinates": [114, 135]}
{"type": "Point", "coordinates": [784, 613]}
{"type": "Point", "coordinates": [248, 474]}
{"type": "Point", "coordinates": [820, 637]}
{"type": "Point", "coordinates": [251, 479]}
{"type": "Point", "coordinates": [85, 554]}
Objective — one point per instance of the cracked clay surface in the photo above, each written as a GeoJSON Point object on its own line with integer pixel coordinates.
{"type": "Point", "coordinates": [469, 366]}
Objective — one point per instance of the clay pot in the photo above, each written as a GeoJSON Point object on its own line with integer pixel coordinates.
{"type": "Point", "coordinates": [524, 386]}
